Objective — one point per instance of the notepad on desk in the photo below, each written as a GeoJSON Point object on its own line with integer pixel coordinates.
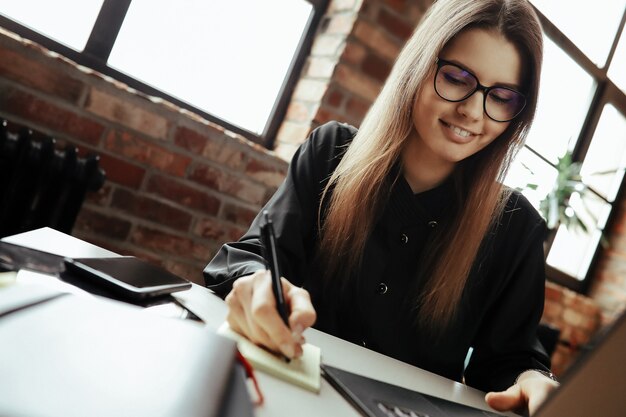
{"type": "Point", "coordinates": [303, 371]}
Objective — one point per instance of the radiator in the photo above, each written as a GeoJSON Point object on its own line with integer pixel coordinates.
{"type": "Point", "coordinates": [41, 185]}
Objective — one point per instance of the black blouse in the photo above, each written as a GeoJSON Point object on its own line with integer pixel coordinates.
{"type": "Point", "coordinates": [501, 304]}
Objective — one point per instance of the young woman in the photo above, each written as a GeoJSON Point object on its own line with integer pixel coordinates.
{"type": "Point", "coordinates": [400, 236]}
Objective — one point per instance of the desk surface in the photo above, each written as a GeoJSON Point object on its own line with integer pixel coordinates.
{"type": "Point", "coordinates": [283, 399]}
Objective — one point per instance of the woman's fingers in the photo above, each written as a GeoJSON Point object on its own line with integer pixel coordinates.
{"type": "Point", "coordinates": [252, 312]}
{"type": "Point", "coordinates": [510, 399]}
{"type": "Point", "coordinates": [302, 314]}
{"type": "Point", "coordinates": [265, 316]}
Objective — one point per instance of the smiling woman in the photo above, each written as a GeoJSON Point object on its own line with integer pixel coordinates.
{"type": "Point", "coordinates": [400, 236]}
{"type": "Point", "coordinates": [451, 128]}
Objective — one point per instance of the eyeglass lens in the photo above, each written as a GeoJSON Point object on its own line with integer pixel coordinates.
{"type": "Point", "coordinates": [453, 83]}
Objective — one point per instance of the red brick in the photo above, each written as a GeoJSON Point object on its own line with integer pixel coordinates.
{"type": "Point", "coordinates": [354, 53]}
{"type": "Point", "coordinates": [553, 292]}
{"type": "Point", "coordinates": [122, 172]}
{"type": "Point", "coordinates": [325, 115]}
{"type": "Point", "coordinates": [42, 112]}
{"type": "Point", "coordinates": [357, 82]}
{"type": "Point", "coordinates": [334, 98]}
{"type": "Point", "coordinates": [552, 311]}
{"type": "Point", "coordinates": [170, 244]}
{"type": "Point", "coordinates": [377, 39]}
{"type": "Point", "coordinates": [224, 152]}
{"type": "Point", "coordinates": [150, 209]}
{"type": "Point", "coordinates": [395, 25]}
{"type": "Point", "coordinates": [399, 5]}
{"type": "Point", "coordinates": [183, 194]}
{"type": "Point", "coordinates": [357, 108]}
{"type": "Point", "coordinates": [238, 214]}
{"type": "Point", "coordinates": [101, 197]}
{"type": "Point", "coordinates": [376, 67]}
{"type": "Point", "coordinates": [130, 146]}
{"type": "Point", "coordinates": [218, 231]}
{"type": "Point", "coordinates": [190, 140]}
{"type": "Point", "coordinates": [228, 184]}
{"type": "Point", "coordinates": [127, 113]}
{"type": "Point", "coordinates": [39, 75]}
{"type": "Point", "coordinates": [271, 175]}
{"type": "Point", "coordinates": [99, 224]}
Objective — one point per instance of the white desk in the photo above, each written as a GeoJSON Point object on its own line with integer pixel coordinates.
{"type": "Point", "coordinates": [282, 399]}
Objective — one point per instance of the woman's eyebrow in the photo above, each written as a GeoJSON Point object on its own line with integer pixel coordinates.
{"type": "Point", "coordinates": [514, 86]}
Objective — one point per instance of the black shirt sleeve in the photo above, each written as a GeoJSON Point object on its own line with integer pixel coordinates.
{"type": "Point", "coordinates": [506, 343]}
{"type": "Point", "coordinates": [293, 210]}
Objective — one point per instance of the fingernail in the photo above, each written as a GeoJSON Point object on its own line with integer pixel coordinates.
{"type": "Point", "coordinates": [287, 350]}
{"type": "Point", "coordinates": [297, 329]}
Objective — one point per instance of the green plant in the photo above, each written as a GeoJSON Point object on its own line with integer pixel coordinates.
{"type": "Point", "coordinates": [556, 207]}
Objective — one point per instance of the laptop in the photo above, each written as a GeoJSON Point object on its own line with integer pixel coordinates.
{"type": "Point", "coordinates": [65, 355]}
{"type": "Point", "coordinates": [594, 386]}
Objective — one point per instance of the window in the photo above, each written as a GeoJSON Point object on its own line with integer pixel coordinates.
{"type": "Point", "coordinates": [581, 111]}
{"type": "Point", "coordinates": [234, 62]}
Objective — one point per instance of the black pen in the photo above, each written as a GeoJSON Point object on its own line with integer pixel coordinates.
{"type": "Point", "coordinates": [268, 248]}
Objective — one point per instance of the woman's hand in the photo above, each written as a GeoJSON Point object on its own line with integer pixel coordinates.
{"type": "Point", "coordinates": [530, 390]}
{"type": "Point", "coordinates": [252, 312]}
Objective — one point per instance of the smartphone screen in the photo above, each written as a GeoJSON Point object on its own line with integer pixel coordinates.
{"type": "Point", "coordinates": [127, 275]}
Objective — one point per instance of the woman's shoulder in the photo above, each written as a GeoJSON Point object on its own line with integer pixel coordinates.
{"type": "Point", "coordinates": [520, 213]}
{"type": "Point", "coordinates": [332, 138]}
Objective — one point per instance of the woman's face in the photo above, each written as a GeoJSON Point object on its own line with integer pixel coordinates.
{"type": "Point", "coordinates": [447, 132]}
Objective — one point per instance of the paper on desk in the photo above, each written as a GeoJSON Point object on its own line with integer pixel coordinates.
{"type": "Point", "coordinates": [303, 372]}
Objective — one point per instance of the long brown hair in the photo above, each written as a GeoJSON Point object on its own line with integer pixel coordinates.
{"type": "Point", "coordinates": [359, 187]}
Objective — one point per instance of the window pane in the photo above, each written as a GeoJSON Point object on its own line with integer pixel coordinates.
{"type": "Point", "coordinates": [573, 247]}
{"type": "Point", "coordinates": [573, 250]}
{"type": "Point", "coordinates": [228, 58]}
{"type": "Point", "coordinates": [564, 98]}
{"type": "Point", "coordinates": [528, 168]}
{"type": "Point", "coordinates": [591, 26]}
{"type": "Point", "coordinates": [66, 21]}
{"type": "Point", "coordinates": [603, 168]}
{"type": "Point", "coordinates": [617, 70]}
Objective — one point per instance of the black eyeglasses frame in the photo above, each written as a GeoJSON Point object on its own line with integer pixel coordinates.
{"type": "Point", "coordinates": [479, 87]}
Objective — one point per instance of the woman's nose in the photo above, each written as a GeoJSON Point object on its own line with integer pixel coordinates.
{"type": "Point", "coordinates": [472, 107]}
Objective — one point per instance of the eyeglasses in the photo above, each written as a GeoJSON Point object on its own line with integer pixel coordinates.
{"type": "Point", "coordinates": [453, 83]}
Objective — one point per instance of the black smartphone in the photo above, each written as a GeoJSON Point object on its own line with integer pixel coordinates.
{"type": "Point", "coordinates": [127, 276]}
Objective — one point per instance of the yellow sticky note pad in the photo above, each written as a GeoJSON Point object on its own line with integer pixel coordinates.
{"type": "Point", "coordinates": [7, 278]}
{"type": "Point", "coordinates": [303, 372]}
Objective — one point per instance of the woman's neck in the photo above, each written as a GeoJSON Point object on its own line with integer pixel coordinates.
{"type": "Point", "coordinates": [421, 171]}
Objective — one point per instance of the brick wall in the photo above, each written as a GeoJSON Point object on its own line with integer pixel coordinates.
{"type": "Point", "coordinates": [179, 186]}
{"type": "Point", "coordinates": [577, 317]}
{"type": "Point", "coordinates": [350, 59]}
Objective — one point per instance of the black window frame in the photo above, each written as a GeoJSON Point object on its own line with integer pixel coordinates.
{"type": "Point", "coordinates": [606, 92]}
{"type": "Point", "coordinates": [106, 29]}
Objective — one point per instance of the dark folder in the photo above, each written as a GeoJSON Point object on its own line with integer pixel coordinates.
{"type": "Point", "coordinates": [64, 355]}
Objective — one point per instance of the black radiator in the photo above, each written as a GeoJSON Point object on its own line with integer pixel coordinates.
{"type": "Point", "coordinates": [41, 185]}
